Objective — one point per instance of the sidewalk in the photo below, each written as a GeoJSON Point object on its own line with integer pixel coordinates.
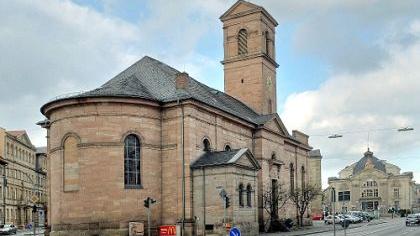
{"type": "Point", "coordinates": [320, 227]}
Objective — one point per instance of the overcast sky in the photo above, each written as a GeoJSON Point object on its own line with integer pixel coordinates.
{"type": "Point", "coordinates": [345, 66]}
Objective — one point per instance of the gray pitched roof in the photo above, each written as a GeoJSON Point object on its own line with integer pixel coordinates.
{"type": "Point", "coordinates": [315, 153]}
{"type": "Point", "coordinates": [368, 156]}
{"type": "Point", "coordinates": [151, 79]}
{"type": "Point", "coordinates": [221, 158]}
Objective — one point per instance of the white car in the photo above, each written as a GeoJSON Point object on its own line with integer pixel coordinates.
{"type": "Point", "coordinates": [329, 219]}
{"type": "Point", "coordinates": [8, 229]}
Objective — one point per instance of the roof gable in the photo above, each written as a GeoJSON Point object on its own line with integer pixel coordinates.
{"type": "Point", "coordinates": [243, 7]}
{"type": "Point", "coordinates": [274, 123]}
{"type": "Point", "coordinates": [238, 7]}
{"type": "Point", "coordinates": [22, 136]}
{"type": "Point", "coordinates": [239, 157]}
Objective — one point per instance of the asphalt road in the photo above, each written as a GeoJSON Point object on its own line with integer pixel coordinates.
{"type": "Point", "coordinates": [393, 227]}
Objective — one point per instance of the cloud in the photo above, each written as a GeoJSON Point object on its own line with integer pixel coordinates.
{"type": "Point", "coordinates": [352, 104]}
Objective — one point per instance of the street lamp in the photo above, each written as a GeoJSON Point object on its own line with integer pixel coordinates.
{"type": "Point", "coordinates": [404, 129]}
{"type": "Point", "coordinates": [335, 136]}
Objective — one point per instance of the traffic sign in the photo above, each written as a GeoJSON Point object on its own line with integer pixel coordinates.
{"type": "Point", "coordinates": [234, 232]}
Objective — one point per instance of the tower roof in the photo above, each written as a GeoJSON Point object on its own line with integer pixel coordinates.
{"type": "Point", "coordinates": [368, 161]}
{"type": "Point", "coordinates": [242, 7]}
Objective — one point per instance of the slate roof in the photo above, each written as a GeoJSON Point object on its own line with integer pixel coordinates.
{"type": "Point", "coordinates": [368, 156]}
{"type": "Point", "coordinates": [218, 158]}
{"type": "Point", "coordinates": [41, 150]}
{"type": "Point", "coordinates": [16, 133]}
{"type": "Point", "coordinates": [151, 79]}
{"type": "Point", "coordinates": [315, 153]}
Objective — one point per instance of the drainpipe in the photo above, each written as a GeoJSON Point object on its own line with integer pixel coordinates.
{"type": "Point", "coordinates": [204, 201]}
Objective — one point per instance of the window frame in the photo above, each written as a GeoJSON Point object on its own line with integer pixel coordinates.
{"type": "Point", "coordinates": [138, 163]}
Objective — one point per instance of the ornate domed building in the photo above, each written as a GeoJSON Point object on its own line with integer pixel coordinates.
{"type": "Point", "coordinates": [153, 131]}
{"type": "Point", "coordinates": [371, 184]}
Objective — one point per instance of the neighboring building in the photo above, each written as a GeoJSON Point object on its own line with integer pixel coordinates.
{"type": "Point", "coordinates": [135, 136]}
{"type": "Point", "coordinates": [23, 179]}
{"type": "Point", "coordinates": [372, 184]}
{"type": "Point", "coordinates": [416, 207]}
{"type": "Point", "coordinates": [314, 169]}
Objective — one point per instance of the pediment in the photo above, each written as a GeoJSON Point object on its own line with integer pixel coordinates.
{"type": "Point", "coordinates": [239, 7]}
{"type": "Point", "coordinates": [246, 159]}
{"type": "Point", "coordinates": [276, 124]}
{"type": "Point", "coordinates": [25, 139]}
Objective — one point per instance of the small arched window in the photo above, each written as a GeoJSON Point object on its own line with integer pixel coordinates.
{"type": "Point", "coordinates": [270, 106]}
{"type": "Point", "coordinates": [241, 197]}
{"type": "Point", "coordinates": [132, 177]}
{"type": "Point", "coordinates": [248, 195]}
{"type": "Point", "coordinates": [267, 43]}
{"type": "Point", "coordinates": [227, 147]}
{"type": "Point", "coordinates": [292, 178]}
{"type": "Point", "coordinates": [273, 156]}
{"type": "Point", "coordinates": [242, 42]}
{"type": "Point", "coordinates": [206, 145]}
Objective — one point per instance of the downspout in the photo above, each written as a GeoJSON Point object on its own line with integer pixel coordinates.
{"type": "Point", "coordinates": [183, 170]}
{"type": "Point", "coordinates": [295, 183]}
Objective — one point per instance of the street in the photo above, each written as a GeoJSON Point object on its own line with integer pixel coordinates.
{"type": "Point", "coordinates": [390, 228]}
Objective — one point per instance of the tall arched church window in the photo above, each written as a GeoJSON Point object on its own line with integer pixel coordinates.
{"type": "Point", "coordinates": [248, 195]}
{"type": "Point", "coordinates": [132, 175]}
{"type": "Point", "coordinates": [206, 145]}
{"type": "Point", "coordinates": [242, 42]}
{"type": "Point", "coordinates": [270, 106]}
{"type": "Point", "coordinates": [241, 197]}
{"type": "Point", "coordinates": [292, 178]}
{"type": "Point", "coordinates": [71, 163]}
{"type": "Point", "coordinates": [303, 177]}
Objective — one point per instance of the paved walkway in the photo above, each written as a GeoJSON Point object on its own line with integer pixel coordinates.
{"type": "Point", "coordinates": [320, 227]}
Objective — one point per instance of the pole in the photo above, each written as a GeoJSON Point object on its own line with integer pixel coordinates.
{"type": "Point", "coordinates": [4, 195]}
{"type": "Point", "coordinates": [333, 208]}
{"type": "Point", "coordinates": [224, 210]}
{"type": "Point", "coordinates": [33, 219]}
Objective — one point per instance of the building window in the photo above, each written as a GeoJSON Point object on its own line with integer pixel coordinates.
{"type": "Point", "coordinates": [227, 147]}
{"type": "Point", "coordinates": [292, 178]}
{"type": "Point", "coordinates": [132, 161]}
{"type": "Point", "coordinates": [248, 195]}
{"type": "Point", "coordinates": [71, 164]}
{"type": "Point", "coordinates": [241, 197]}
{"type": "Point", "coordinates": [267, 43]}
{"type": "Point", "coordinates": [303, 177]}
{"type": "Point", "coordinates": [270, 106]}
{"type": "Point", "coordinates": [242, 42]}
{"type": "Point", "coordinates": [396, 192]}
{"type": "Point", "coordinates": [344, 196]}
{"type": "Point", "coordinates": [206, 145]}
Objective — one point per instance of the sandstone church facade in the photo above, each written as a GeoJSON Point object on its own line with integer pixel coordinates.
{"type": "Point", "coordinates": [153, 131]}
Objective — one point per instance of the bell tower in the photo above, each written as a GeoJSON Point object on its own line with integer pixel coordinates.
{"type": "Point", "coordinates": [249, 56]}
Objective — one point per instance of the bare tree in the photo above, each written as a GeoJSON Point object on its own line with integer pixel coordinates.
{"type": "Point", "coordinates": [302, 198]}
{"type": "Point", "coordinates": [274, 198]}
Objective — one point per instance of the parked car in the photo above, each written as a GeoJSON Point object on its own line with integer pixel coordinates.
{"type": "Point", "coordinates": [413, 219]}
{"type": "Point", "coordinates": [353, 218]}
{"type": "Point", "coordinates": [7, 229]}
{"type": "Point", "coordinates": [317, 217]}
{"type": "Point", "coordinates": [329, 219]}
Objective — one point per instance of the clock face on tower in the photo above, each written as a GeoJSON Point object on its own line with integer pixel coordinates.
{"type": "Point", "coordinates": [269, 82]}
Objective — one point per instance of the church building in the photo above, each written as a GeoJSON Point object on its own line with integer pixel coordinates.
{"type": "Point", "coordinates": [204, 155]}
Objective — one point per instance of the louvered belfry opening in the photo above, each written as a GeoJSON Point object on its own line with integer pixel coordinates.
{"type": "Point", "coordinates": [242, 42]}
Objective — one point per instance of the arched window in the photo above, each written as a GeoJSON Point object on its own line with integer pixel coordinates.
{"type": "Point", "coordinates": [132, 161]}
{"type": "Point", "coordinates": [248, 195]}
{"type": "Point", "coordinates": [267, 43]}
{"type": "Point", "coordinates": [241, 197]}
{"type": "Point", "coordinates": [227, 147]}
{"type": "Point", "coordinates": [273, 156]}
{"type": "Point", "coordinates": [292, 178]}
{"type": "Point", "coordinates": [242, 42]}
{"type": "Point", "coordinates": [70, 164]}
{"type": "Point", "coordinates": [206, 145]}
{"type": "Point", "coordinates": [270, 106]}
{"type": "Point", "coordinates": [303, 177]}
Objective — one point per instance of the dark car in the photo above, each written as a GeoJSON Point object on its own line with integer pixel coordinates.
{"type": "Point", "coordinates": [413, 219]}
{"type": "Point", "coordinates": [7, 229]}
